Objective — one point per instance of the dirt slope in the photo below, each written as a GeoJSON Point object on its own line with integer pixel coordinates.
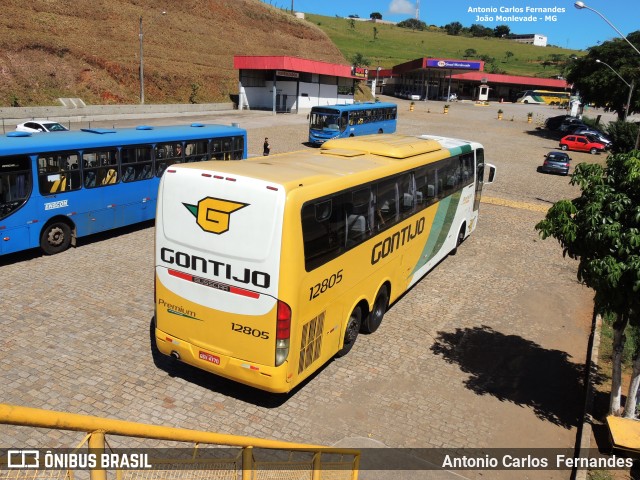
{"type": "Point", "coordinates": [91, 48]}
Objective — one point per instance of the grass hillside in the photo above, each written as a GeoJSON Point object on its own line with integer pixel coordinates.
{"type": "Point", "coordinates": [90, 48]}
{"type": "Point", "coordinates": [394, 45]}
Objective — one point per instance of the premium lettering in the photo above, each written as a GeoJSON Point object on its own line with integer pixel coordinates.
{"type": "Point", "coordinates": [396, 240]}
{"type": "Point", "coordinates": [215, 268]}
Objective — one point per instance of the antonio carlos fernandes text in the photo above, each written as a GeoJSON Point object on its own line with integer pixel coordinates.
{"type": "Point", "coordinates": [532, 462]}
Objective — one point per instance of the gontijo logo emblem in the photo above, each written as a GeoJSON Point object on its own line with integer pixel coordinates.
{"type": "Point", "coordinates": [213, 214]}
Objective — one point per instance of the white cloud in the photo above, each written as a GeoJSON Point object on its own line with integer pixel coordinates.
{"type": "Point", "coordinates": [401, 6]}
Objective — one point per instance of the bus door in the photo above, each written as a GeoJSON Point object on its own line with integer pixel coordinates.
{"type": "Point", "coordinates": [480, 165]}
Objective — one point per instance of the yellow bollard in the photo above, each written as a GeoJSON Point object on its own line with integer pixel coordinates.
{"type": "Point", "coordinates": [411, 106]}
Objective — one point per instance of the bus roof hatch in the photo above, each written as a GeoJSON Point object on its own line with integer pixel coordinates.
{"type": "Point", "coordinates": [386, 145]}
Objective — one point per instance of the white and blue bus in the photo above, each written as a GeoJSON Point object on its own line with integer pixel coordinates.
{"type": "Point", "coordinates": [57, 187]}
{"type": "Point", "coordinates": [340, 121]}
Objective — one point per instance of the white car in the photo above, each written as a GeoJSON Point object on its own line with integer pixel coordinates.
{"type": "Point", "coordinates": [40, 126]}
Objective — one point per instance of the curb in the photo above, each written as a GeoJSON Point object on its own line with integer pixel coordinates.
{"type": "Point", "coordinates": [583, 443]}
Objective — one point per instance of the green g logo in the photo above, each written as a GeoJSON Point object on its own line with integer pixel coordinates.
{"type": "Point", "coordinates": [213, 214]}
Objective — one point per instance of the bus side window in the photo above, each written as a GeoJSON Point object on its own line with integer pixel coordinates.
{"type": "Point", "coordinates": [58, 172]}
{"type": "Point", "coordinates": [136, 163]}
{"type": "Point", "coordinates": [426, 191]}
{"type": "Point", "coordinates": [407, 195]}
{"type": "Point", "coordinates": [100, 168]}
{"type": "Point", "coordinates": [323, 230]}
{"type": "Point", "coordinates": [358, 223]}
{"type": "Point", "coordinates": [386, 203]}
{"type": "Point", "coordinates": [167, 154]}
{"type": "Point", "coordinates": [15, 183]}
{"type": "Point", "coordinates": [196, 151]}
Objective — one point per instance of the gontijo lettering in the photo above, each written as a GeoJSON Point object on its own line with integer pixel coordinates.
{"type": "Point", "coordinates": [395, 240]}
{"type": "Point", "coordinates": [217, 269]}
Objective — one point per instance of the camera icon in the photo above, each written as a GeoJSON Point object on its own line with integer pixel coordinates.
{"type": "Point", "coordinates": [23, 459]}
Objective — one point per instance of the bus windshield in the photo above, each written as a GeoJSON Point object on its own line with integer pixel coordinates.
{"type": "Point", "coordinates": [326, 120]}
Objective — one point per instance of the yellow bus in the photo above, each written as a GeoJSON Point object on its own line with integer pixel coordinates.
{"type": "Point", "coordinates": [265, 269]}
{"type": "Point", "coordinates": [545, 97]}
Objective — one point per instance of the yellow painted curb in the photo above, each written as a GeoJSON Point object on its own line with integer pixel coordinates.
{"type": "Point", "coordinates": [534, 207]}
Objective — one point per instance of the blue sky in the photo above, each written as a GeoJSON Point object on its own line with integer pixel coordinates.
{"type": "Point", "coordinates": [573, 28]}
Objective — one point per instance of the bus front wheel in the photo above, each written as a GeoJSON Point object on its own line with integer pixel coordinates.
{"type": "Point", "coordinates": [351, 332]}
{"type": "Point", "coordinates": [374, 319]}
{"type": "Point", "coordinates": [459, 240]}
{"type": "Point", "coordinates": [55, 238]}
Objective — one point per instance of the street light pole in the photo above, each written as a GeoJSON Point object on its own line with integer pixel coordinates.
{"type": "Point", "coordinates": [141, 35]}
{"type": "Point", "coordinates": [580, 5]}
{"type": "Point", "coordinates": [141, 65]}
{"type": "Point", "coordinates": [377, 75]}
{"type": "Point", "coordinates": [630, 85]}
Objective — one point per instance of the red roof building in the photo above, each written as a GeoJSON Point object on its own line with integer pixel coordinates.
{"type": "Point", "coordinates": [285, 84]}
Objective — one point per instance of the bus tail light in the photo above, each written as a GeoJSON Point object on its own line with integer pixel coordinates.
{"type": "Point", "coordinates": [283, 332]}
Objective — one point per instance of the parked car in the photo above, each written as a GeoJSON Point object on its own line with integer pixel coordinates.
{"type": "Point", "coordinates": [41, 126]}
{"type": "Point", "coordinates": [569, 122]}
{"type": "Point", "coordinates": [556, 162]}
{"type": "Point", "coordinates": [597, 134]}
{"type": "Point", "coordinates": [553, 123]}
{"type": "Point", "coordinates": [581, 143]}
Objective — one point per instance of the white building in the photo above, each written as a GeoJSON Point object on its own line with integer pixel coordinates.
{"type": "Point", "coordinates": [286, 84]}
{"type": "Point", "coordinates": [530, 38]}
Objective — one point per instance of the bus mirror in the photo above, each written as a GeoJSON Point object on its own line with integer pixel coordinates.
{"type": "Point", "coordinates": [307, 116]}
{"type": "Point", "coordinates": [492, 172]}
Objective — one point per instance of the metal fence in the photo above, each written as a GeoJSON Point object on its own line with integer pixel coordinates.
{"type": "Point", "coordinates": [162, 453]}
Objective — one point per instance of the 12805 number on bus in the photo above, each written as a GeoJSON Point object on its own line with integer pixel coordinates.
{"type": "Point", "coordinates": [325, 285]}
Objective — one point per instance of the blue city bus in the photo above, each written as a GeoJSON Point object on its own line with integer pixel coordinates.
{"type": "Point", "coordinates": [336, 121]}
{"type": "Point", "coordinates": [57, 187]}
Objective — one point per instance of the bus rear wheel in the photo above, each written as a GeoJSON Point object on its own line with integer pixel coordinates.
{"type": "Point", "coordinates": [55, 238]}
{"type": "Point", "coordinates": [351, 332]}
{"type": "Point", "coordinates": [374, 319]}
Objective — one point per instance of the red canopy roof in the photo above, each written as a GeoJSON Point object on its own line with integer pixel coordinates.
{"type": "Point", "coordinates": [512, 79]}
{"type": "Point", "coordinates": [293, 64]}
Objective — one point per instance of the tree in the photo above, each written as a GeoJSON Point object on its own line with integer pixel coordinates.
{"type": "Point", "coordinates": [470, 52]}
{"type": "Point", "coordinates": [453, 28]}
{"type": "Point", "coordinates": [598, 84]}
{"type": "Point", "coordinates": [507, 55]}
{"type": "Point", "coordinates": [359, 60]}
{"type": "Point", "coordinates": [375, 16]}
{"type": "Point", "coordinates": [601, 229]}
{"type": "Point", "coordinates": [480, 31]}
{"type": "Point", "coordinates": [375, 33]}
{"type": "Point", "coordinates": [352, 24]}
{"type": "Point", "coordinates": [623, 135]}
{"type": "Point", "coordinates": [413, 24]}
{"type": "Point", "coordinates": [501, 31]}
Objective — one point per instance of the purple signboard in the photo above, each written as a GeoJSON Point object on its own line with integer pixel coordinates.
{"type": "Point", "coordinates": [461, 64]}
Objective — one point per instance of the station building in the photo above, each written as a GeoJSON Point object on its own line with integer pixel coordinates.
{"type": "Point", "coordinates": [291, 84]}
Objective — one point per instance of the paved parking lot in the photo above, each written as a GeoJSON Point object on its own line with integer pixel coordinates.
{"type": "Point", "coordinates": [486, 351]}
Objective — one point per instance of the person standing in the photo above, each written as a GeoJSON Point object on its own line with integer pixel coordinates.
{"type": "Point", "coordinates": [266, 148]}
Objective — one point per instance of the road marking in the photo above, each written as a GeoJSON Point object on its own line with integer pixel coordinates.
{"type": "Point", "coordinates": [534, 207]}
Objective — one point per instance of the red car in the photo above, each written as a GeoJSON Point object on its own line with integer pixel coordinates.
{"type": "Point", "coordinates": [581, 143]}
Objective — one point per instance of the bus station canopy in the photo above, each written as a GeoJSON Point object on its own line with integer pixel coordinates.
{"type": "Point", "coordinates": [495, 78]}
{"type": "Point", "coordinates": [292, 64]}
